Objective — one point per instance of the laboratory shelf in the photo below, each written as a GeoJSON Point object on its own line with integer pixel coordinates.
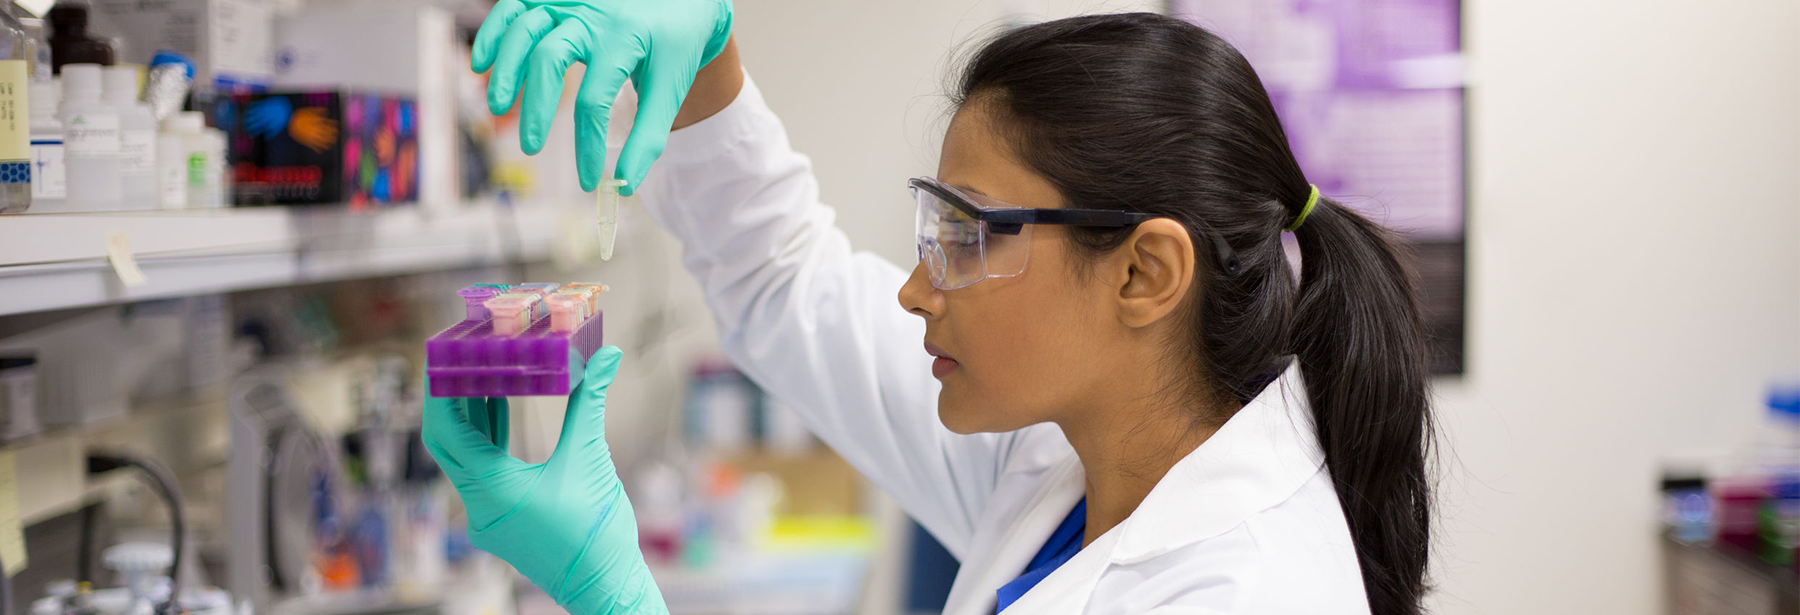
{"type": "Point", "coordinates": [57, 261]}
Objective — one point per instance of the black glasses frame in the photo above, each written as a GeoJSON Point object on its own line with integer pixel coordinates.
{"type": "Point", "coordinates": [1012, 221]}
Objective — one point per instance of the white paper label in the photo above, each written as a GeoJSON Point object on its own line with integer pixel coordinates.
{"type": "Point", "coordinates": [48, 177]}
{"type": "Point", "coordinates": [137, 152]}
{"type": "Point", "coordinates": [92, 134]}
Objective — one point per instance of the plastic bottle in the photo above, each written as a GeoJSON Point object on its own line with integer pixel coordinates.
{"type": "Point", "coordinates": [69, 39]}
{"type": "Point", "coordinates": [189, 129]}
{"type": "Point", "coordinates": [218, 170]}
{"type": "Point", "coordinates": [171, 169]}
{"type": "Point", "coordinates": [15, 115]}
{"type": "Point", "coordinates": [137, 138]}
{"type": "Point", "coordinates": [1779, 517]}
{"type": "Point", "coordinates": [49, 178]}
{"type": "Point", "coordinates": [90, 141]}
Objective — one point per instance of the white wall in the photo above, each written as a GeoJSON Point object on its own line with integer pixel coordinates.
{"type": "Point", "coordinates": [1636, 282]}
{"type": "Point", "coordinates": [1634, 261]}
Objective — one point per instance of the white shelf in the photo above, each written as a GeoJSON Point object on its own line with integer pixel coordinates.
{"type": "Point", "coordinates": [56, 261]}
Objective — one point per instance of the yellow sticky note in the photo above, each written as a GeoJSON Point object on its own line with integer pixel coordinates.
{"type": "Point", "coordinates": [118, 251]}
{"type": "Point", "coordinates": [12, 532]}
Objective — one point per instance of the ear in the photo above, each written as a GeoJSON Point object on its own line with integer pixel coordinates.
{"type": "Point", "coordinates": [1158, 260]}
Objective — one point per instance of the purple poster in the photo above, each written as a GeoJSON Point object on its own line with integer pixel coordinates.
{"type": "Point", "coordinates": [1370, 93]}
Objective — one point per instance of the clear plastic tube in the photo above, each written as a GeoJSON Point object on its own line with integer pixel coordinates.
{"type": "Point", "coordinates": [608, 195]}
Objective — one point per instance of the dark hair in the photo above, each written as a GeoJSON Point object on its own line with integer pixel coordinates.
{"type": "Point", "coordinates": [1146, 113]}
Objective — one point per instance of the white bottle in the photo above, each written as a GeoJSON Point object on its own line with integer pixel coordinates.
{"type": "Point", "coordinates": [198, 170]}
{"type": "Point", "coordinates": [137, 138]}
{"type": "Point", "coordinates": [218, 193]}
{"type": "Point", "coordinates": [171, 169]}
{"type": "Point", "coordinates": [90, 141]}
{"type": "Point", "coordinates": [49, 183]}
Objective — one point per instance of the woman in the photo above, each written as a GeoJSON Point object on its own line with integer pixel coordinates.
{"type": "Point", "coordinates": [1123, 402]}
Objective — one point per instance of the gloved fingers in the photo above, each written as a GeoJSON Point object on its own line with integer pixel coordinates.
{"type": "Point", "coordinates": [606, 73]}
{"type": "Point", "coordinates": [521, 39]}
{"type": "Point", "coordinates": [492, 417]}
{"type": "Point", "coordinates": [659, 99]}
{"type": "Point", "coordinates": [544, 81]}
{"type": "Point", "coordinates": [584, 422]}
{"type": "Point", "coordinates": [462, 450]}
{"type": "Point", "coordinates": [487, 39]}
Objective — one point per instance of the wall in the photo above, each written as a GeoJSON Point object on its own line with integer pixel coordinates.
{"type": "Point", "coordinates": [1634, 259]}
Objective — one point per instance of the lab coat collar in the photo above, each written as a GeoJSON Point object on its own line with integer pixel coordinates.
{"type": "Point", "coordinates": [1257, 460]}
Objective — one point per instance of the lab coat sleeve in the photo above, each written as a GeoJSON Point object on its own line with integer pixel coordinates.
{"type": "Point", "coordinates": [812, 322]}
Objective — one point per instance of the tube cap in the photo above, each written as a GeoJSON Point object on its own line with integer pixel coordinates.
{"type": "Point", "coordinates": [121, 84]}
{"type": "Point", "coordinates": [81, 82]}
{"type": "Point", "coordinates": [164, 56]}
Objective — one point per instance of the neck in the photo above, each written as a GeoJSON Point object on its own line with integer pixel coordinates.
{"type": "Point", "coordinates": [1126, 448]}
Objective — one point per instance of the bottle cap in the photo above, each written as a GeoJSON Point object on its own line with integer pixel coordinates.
{"type": "Point", "coordinates": [1784, 400]}
{"type": "Point", "coordinates": [121, 84]}
{"type": "Point", "coordinates": [164, 56]}
{"type": "Point", "coordinates": [81, 82]}
{"type": "Point", "coordinates": [185, 122]}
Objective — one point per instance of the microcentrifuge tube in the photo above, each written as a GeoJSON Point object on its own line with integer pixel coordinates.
{"type": "Point", "coordinates": [608, 195]}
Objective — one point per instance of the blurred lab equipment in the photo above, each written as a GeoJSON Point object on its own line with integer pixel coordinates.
{"type": "Point", "coordinates": [18, 397]}
{"type": "Point", "coordinates": [323, 146]}
{"type": "Point", "coordinates": [49, 179]}
{"type": "Point", "coordinates": [16, 54]}
{"type": "Point", "coordinates": [137, 136]}
{"type": "Point", "coordinates": [70, 41]}
{"type": "Point", "coordinates": [229, 41]}
{"type": "Point", "coordinates": [1732, 532]}
{"type": "Point", "coordinates": [91, 141]}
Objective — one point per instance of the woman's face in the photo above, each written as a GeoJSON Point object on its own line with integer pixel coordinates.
{"type": "Point", "coordinates": [1014, 351]}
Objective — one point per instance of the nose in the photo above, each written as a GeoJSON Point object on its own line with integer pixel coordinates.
{"type": "Point", "coordinates": [919, 297]}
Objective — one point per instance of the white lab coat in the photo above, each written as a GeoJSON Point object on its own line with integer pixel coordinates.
{"type": "Point", "coordinates": [1247, 523]}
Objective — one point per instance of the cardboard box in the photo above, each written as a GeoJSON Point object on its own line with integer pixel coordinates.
{"type": "Point", "coordinates": [322, 147]}
{"type": "Point", "coordinates": [328, 46]}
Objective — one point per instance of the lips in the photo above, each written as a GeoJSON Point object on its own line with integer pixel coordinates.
{"type": "Point", "coordinates": [941, 364]}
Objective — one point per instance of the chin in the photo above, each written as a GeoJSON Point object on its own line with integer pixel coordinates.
{"type": "Point", "coordinates": [964, 418]}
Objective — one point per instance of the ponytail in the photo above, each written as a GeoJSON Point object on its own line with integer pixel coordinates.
{"type": "Point", "coordinates": [1146, 113]}
{"type": "Point", "coordinates": [1360, 339]}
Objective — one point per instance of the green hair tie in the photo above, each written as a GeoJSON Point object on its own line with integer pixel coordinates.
{"type": "Point", "coordinates": [1311, 200]}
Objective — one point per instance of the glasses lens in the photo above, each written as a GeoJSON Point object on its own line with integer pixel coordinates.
{"type": "Point", "coordinates": [950, 243]}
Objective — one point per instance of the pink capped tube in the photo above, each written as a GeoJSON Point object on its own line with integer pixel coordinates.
{"type": "Point", "coordinates": [511, 313]}
{"type": "Point", "coordinates": [566, 312]}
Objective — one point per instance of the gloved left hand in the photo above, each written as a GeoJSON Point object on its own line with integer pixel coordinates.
{"type": "Point", "coordinates": [565, 524]}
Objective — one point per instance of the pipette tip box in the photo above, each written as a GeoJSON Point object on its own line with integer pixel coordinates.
{"type": "Point", "coordinates": [520, 340]}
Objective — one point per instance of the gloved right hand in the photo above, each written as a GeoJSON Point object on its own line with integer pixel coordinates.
{"type": "Point", "coordinates": [565, 523]}
{"type": "Point", "coordinates": [659, 44]}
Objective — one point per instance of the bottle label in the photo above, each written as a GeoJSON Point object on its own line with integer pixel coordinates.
{"type": "Point", "coordinates": [137, 152]}
{"type": "Point", "coordinates": [196, 170]}
{"type": "Point", "coordinates": [15, 122]}
{"type": "Point", "coordinates": [95, 134]}
{"type": "Point", "coordinates": [47, 175]}
{"type": "Point", "coordinates": [174, 186]}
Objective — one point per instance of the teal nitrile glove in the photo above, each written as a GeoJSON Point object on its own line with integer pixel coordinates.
{"type": "Point", "coordinates": [659, 44]}
{"type": "Point", "coordinates": [565, 523]}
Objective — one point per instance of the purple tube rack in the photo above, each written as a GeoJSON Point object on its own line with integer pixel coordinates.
{"type": "Point", "coordinates": [468, 360]}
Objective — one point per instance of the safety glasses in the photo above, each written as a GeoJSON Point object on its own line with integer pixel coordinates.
{"type": "Point", "coordinates": [966, 238]}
